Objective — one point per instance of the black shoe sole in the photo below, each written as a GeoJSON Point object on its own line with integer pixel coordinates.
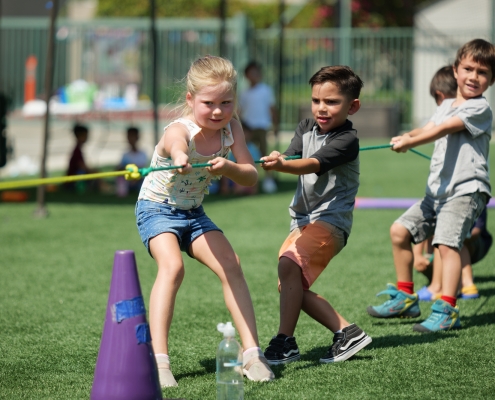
{"type": "Point", "coordinates": [284, 361]}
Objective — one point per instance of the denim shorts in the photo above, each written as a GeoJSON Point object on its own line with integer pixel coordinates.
{"type": "Point", "coordinates": [154, 218]}
{"type": "Point", "coordinates": [449, 222]}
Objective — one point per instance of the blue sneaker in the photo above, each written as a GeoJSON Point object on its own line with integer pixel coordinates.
{"type": "Point", "coordinates": [443, 318]}
{"type": "Point", "coordinates": [400, 305]}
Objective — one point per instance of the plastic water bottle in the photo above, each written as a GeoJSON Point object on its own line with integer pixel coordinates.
{"type": "Point", "coordinates": [230, 385]}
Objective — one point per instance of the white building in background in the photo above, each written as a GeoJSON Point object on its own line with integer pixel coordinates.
{"type": "Point", "coordinates": [439, 30]}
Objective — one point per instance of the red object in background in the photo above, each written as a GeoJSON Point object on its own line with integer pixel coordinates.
{"type": "Point", "coordinates": [30, 79]}
{"type": "Point", "coordinates": [14, 196]}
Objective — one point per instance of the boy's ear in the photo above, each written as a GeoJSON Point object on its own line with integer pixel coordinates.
{"type": "Point", "coordinates": [354, 107]}
{"type": "Point", "coordinates": [439, 98]}
{"type": "Point", "coordinates": [455, 71]}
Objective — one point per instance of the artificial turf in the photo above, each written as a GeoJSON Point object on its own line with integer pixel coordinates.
{"type": "Point", "coordinates": [55, 275]}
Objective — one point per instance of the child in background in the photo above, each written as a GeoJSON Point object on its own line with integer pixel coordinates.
{"type": "Point", "coordinates": [171, 219]}
{"type": "Point", "coordinates": [133, 156]}
{"type": "Point", "coordinates": [321, 213]}
{"type": "Point", "coordinates": [258, 114]}
{"type": "Point", "coordinates": [457, 191]}
{"type": "Point", "coordinates": [77, 164]}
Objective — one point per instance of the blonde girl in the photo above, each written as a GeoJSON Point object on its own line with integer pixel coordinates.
{"type": "Point", "coordinates": [170, 217]}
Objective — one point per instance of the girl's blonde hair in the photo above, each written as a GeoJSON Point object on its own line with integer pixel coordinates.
{"type": "Point", "coordinates": [208, 71]}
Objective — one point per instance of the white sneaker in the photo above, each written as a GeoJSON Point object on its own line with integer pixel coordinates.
{"type": "Point", "coordinates": [269, 185]}
{"type": "Point", "coordinates": [165, 375]}
{"type": "Point", "coordinates": [256, 368]}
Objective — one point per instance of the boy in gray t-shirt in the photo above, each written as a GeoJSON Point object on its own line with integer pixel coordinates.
{"type": "Point", "coordinates": [458, 189]}
{"type": "Point", "coordinates": [321, 212]}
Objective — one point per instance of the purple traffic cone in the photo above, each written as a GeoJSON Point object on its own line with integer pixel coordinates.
{"type": "Point", "coordinates": [126, 367]}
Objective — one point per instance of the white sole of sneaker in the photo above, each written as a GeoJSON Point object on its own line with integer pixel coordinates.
{"type": "Point", "coordinates": [348, 354]}
{"type": "Point", "coordinates": [286, 361]}
{"type": "Point", "coordinates": [248, 375]}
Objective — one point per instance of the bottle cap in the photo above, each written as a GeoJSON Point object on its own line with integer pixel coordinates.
{"type": "Point", "coordinates": [227, 329]}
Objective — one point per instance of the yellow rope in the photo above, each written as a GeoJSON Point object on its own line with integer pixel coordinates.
{"type": "Point", "coordinates": [59, 179]}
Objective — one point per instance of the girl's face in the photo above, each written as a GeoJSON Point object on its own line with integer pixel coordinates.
{"type": "Point", "coordinates": [212, 107]}
{"type": "Point", "coordinates": [472, 77]}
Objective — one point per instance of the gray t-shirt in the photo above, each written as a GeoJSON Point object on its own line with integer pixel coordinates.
{"type": "Point", "coordinates": [459, 164]}
{"type": "Point", "coordinates": [328, 195]}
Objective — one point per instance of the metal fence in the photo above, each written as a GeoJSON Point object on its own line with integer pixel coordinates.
{"type": "Point", "coordinates": [116, 52]}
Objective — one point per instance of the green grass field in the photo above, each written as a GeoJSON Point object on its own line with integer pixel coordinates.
{"type": "Point", "coordinates": [55, 275]}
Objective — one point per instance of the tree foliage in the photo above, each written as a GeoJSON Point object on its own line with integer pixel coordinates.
{"type": "Point", "coordinates": [316, 13]}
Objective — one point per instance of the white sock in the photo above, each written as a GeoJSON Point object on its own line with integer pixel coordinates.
{"type": "Point", "coordinates": [162, 358]}
{"type": "Point", "coordinates": [250, 350]}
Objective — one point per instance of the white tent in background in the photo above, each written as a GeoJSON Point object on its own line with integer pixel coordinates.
{"type": "Point", "coordinates": [439, 30]}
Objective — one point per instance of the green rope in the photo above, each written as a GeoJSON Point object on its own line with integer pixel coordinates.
{"type": "Point", "coordinates": [382, 146]}
{"type": "Point", "coordinates": [388, 146]}
{"type": "Point", "coordinates": [146, 171]}
{"type": "Point", "coordinates": [420, 154]}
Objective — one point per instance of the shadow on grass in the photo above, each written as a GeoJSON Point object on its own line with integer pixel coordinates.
{"type": "Point", "coordinates": [410, 340]}
{"type": "Point", "coordinates": [209, 367]}
{"type": "Point", "coordinates": [63, 196]}
{"type": "Point", "coordinates": [483, 279]}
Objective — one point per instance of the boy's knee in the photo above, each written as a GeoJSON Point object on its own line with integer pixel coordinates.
{"type": "Point", "coordinates": [446, 250]}
{"type": "Point", "coordinates": [399, 234]}
{"type": "Point", "coordinates": [288, 270]}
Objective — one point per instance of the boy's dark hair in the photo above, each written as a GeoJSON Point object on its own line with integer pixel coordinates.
{"type": "Point", "coordinates": [252, 64]}
{"type": "Point", "coordinates": [133, 130]}
{"type": "Point", "coordinates": [481, 51]}
{"type": "Point", "coordinates": [79, 129]}
{"type": "Point", "coordinates": [444, 82]}
{"type": "Point", "coordinates": [348, 82]}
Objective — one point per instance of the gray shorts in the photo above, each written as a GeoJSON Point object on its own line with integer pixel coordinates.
{"type": "Point", "coordinates": [449, 222]}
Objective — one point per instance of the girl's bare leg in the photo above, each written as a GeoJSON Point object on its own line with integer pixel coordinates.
{"type": "Point", "coordinates": [214, 250]}
{"type": "Point", "coordinates": [166, 252]}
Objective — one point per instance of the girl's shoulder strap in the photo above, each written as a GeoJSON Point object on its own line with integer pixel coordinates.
{"type": "Point", "coordinates": [227, 135]}
{"type": "Point", "coordinates": [191, 127]}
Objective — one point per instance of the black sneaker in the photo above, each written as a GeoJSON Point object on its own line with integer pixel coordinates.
{"type": "Point", "coordinates": [282, 349]}
{"type": "Point", "coordinates": [346, 344]}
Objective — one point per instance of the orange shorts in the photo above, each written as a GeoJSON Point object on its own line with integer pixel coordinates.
{"type": "Point", "coordinates": [312, 247]}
